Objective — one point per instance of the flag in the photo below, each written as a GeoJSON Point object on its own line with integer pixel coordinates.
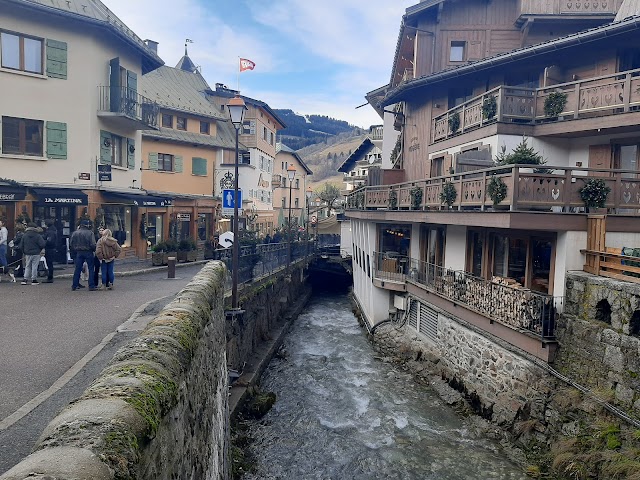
{"type": "Point", "coordinates": [246, 64]}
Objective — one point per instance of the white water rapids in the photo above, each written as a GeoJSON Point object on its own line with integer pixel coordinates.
{"type": "Point", "coordinates": [342, 414]}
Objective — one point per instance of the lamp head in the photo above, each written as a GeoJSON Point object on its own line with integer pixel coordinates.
{"type": "Point", "coordinates": [291, 172]}
{"type": "Point", "coordinates": [309, 193]}
{"type": "Point", "coordinates": [236, 108]}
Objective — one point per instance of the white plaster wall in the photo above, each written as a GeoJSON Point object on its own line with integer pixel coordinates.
{"type": "Point", "coordinates": [346, 238]}
{"type": "Point", "coordinates": [568, 257]}
{"type": "Point", "coordinates": [414, 246]}
{"type": "Point", "coordinates": [373, 301]}
{"type": "Point", "coordinates": [73, 101]}
{"type": "Point", "coordinates": [455, 250]}
{"type": "Point", "coordinates": [622, 239]}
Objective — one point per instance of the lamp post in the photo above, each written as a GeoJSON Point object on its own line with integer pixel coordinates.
{"type": "Point", "coordinates": [236, 108]}
{"type": "Point", "coordinates": [318, 203]}
{"type": "Point", "coordinates": [291, 173]}
{"type": "Point", "coordinates": [309, 192]}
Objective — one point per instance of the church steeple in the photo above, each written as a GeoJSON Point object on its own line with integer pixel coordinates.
{"type": "Point", "coordinates": [185, 62]}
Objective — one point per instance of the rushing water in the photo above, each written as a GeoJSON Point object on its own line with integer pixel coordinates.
{"type": "Point", "coordinates": [342, 414]}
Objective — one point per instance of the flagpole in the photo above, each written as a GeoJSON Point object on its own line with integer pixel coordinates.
{"type": "Point", "coordinates": [238, 74]}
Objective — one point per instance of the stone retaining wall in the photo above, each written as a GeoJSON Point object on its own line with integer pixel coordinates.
{"type": "Point", "coordinates": [159, 410]}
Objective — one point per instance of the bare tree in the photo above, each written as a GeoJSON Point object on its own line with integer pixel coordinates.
{"type": "Point", "coordinates": [329, 194]}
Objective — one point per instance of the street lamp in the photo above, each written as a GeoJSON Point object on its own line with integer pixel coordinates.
{"type": "Point", "coordinates": [236, 108]}
{"type": "Point", "coordinates": [291, 173]}
{"type": "Point", "coordinates": [309, 192]}
{"type": "Point", "coordinates": [318, 203]}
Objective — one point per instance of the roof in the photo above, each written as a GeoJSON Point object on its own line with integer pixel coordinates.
{"type": "Point", "coordinates": [580, 39]}
{"type": "Point", "coordinates": [185, 63]}
{"type": "Point", "coordinates": [179, 90]}
{"type": "Point", "coordinates": [227, 93]}
{"type": "Point", "coordinates": [95, 12]}
{"type": "Point", "coordinates": [224, 138]}
{"type": "Point", "coordinates": [365, 147]}
{"type": "Point", "coordinates": [628, 9]}
{"type": "Point", "coordinates": [281, 147]}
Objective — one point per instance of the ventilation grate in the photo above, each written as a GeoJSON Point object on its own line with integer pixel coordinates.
{"type": "Point", "coordinates": [428, 322]}
{"type": "Point", "coordinates": [413, 314]}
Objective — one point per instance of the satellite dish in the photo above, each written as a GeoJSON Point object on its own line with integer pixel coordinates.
{"type": "Point", "coordinates": [226, 240]}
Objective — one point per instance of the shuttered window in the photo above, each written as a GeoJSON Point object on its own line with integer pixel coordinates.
{"type": "Point", "coordinates": [56, 140]}
{"type": "Point", "coordinates": [56, 59]}
{"type": "Point", "coordinates": [177, 164]}
{"type": "Point", "coordinates": [199, 166]}
{"type": "Point", "coordinates": [131, 153]}
{"type": "Point", "coordinates": [153, 161]}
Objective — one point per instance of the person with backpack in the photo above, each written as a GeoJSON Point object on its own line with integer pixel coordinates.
{"type": "Point", "coordinates": [51, 244]}
{"type": "Point", "coordinates": [32, 243]}
{"type": "Point", "coordinates": [107, 250]}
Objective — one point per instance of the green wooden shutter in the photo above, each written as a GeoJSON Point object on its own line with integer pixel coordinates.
{"type": "Point", "coordinates": [153, 161]}
{"type": "Point", "coordinates": [199, 166]}
{"type": "Point", "coordinates": [131, 153]}
{"type": "Point", "coordinates": [177, 164]}
{"type": "Point", "coordinates": [56, 59]}
{"type": "Point", "coordinates": [57, 140]}
{"type": "Point", "coordinates": [105, 147]}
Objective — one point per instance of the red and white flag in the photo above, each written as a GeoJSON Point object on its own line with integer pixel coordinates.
{"type": "Point", "coordinates": [246, 64]}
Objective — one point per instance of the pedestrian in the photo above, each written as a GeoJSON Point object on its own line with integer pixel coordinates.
{"type": "Point", "coordinates": [97, 262]}
{"type": "Point", "coordinates": [17, 258]}
{"type": "Point", "coordinates": [107, 250]}
{"type": "Point", "coordinates": [51, 244]}
{"type": "Point", "coordinates": [4, 241]}
{"type": "Point", "coordinates": [32, 245]}
{"type": "Point", "coordinates": [83, 244]}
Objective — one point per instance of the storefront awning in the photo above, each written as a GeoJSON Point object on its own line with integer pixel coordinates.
{"type": "Point", "coordinates": [137, 200]}
{"type": "Point", "coordinates": [10, 193]}
{"type": "Point", "coordinates": [60, 196]}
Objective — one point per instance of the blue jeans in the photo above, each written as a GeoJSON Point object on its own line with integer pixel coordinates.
{"type": "Point", "coordinates": [3, 255]}
{"type": "Point", "coordinates": [81, 257]}
{"type": "Point", "coordinates": [107, 273]}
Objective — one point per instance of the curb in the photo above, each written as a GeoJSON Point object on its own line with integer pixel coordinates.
{"type": "Point", "coordinates": [141, 271]}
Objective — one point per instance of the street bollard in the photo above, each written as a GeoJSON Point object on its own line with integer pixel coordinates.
{"type": "Point", "coordinates": [171, 267]}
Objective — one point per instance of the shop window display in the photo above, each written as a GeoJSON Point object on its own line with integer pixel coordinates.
{"type": "Point", "coordinates": [204, 225]}
{"type": "Point", "coordinates": [118, 219]}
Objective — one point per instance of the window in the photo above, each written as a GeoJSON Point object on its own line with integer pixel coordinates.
{"type": "Point", "coordinates": [204, 128]}
{"type": "Point", "coordinates": [167, 120]}
{"type": "Point", "coordinates": [297, 202]}
{"type": "Point", "coordinates": [165, 162]}
{"type": "Point", "coordinates": [284, 204]}
{"type": "Point", "coordinates": [456, 54]}
{"type": "Point", "coordinates": [248, 127]}
{"type": "Point", "coordinates": [264, 133]}
{"type": "Point", "coordinates": [21, 53]}
{"type": "Point", "coordinates": [22, 136]}
{"type": "Point", "coordinates": [204, 225]}
{"type": "Point", "coordinates": [118, 157]}
{"type": "Point", "coordinates": [437, 166]}
{"type": "Point", "coordinates": [181, 123]}
{"type": "Point", "coordinates": [297, 183]}
{"type": "Point", "coordinates": [118, 219]}
{"type": "Point", "coordinates": [271, 138]}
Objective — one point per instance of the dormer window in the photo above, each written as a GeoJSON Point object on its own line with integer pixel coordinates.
{"type": "Point", "coordinates": [457, 52]}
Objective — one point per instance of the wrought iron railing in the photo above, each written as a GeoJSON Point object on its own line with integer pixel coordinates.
{"type": "Point", "coordinates": [128, 102]}
{"type": "Point", "coordinates": [517, 308]}
{"type": "Point", "coordinates": [553, 188]}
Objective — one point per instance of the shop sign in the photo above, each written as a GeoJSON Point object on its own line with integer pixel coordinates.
{"type": "Point", "coordinates": [7, 196]}
{"type": "Point", "coordinates": [62, 200]}
{"type": "Point", "coordinates": [184, 217]}
{"type": "Point", "coordinates": [84, 176]}
{"type": "Point", "coordinates": [104, 173]}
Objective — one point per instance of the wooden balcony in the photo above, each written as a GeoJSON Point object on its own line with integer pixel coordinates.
{"type": "Point", "coordinates": [555, 190]}
{"type": "Point", "coordinates": [568, 8]}
{"type": "Point", "coordinates": [607, 95]}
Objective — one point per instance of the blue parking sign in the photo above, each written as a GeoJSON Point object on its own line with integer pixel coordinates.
{"type": "Point", "coordinates": [227, 198]}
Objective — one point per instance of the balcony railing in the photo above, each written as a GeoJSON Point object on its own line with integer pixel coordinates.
{"type": "Point", "coordinates": [128, 103]}
{"type": "Point", "coordinates": [596, 96]}
{"type": "Point", "coordinates": [557, 189]}
{"type": "Point", "coordinates": [569, 7]}
{"type": "Point", "coordinates": [517, 308]}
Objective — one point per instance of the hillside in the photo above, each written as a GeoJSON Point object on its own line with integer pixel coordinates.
{"type": "Point", "coordinates": [303, 131]}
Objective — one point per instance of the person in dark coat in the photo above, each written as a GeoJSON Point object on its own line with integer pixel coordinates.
{"type": "Point", "coordinates": [17, 258]}
{"type": "Point", "coordinates": [51, 244]}
{"type": "Point", "coordinates": [83, 244]}
{"type": "Point", "coordinates": [32, 244]}
{"type": "Point", "coordinates": [97, 262]}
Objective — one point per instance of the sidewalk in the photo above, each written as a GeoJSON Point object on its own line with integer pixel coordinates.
{"type": "Point", "coordinates": [123, 268]}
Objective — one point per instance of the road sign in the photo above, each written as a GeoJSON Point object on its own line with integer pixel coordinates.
{"type": "Point", "coordinates": [227, 201]}
{"type": "Point", "coordinates": [314, 219]}
{"type": "Point", "coordinates": [226, 240]}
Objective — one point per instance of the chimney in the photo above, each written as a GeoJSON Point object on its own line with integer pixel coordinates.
{"type": "Point", "coordinates": [151, 45]}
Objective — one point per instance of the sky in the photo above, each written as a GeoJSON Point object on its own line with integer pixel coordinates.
{"type": "Point", "coordinates": [313, 57]}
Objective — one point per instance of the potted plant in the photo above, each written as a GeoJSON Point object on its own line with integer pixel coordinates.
{"type": "Point", "coordinates": [187, 250]}
{"type": "Point", "coordinates": [448, 194]}
{"type": "Point", "coordinates": [554, 104]}
{"type": "Point", "coordinates": [454, 122]}
{"type": "Point", "coordinates": [497, 190]}
{"type": "Point", "coordinates": [158, 254]}
{"type": "Point", "coordinates": [393, 200]}
{"type": "Point", "coordinates": [594, 193]}
{"type": "Point", "coordinates": [489, 108]}
{"type": "Point", "coordinates": [416, 197]}
{"type": "Point", "coordinates": [171, 250]}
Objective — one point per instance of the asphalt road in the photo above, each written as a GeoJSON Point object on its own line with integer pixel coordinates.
{"type": "Point", "coordinates": [46, 329]}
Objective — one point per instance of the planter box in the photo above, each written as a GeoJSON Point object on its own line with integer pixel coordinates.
{"type": "Point", "coordinates": [209, 254]}
{"type": "Point", "coordinates": [182, 256]}
{"type": "Point", "coordinates": [192, 256]}
{"type": "Point", "coordinates": [157, 258]}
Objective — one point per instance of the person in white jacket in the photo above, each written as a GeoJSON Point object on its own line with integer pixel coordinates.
{"type": "Point", "coordinates": [4, 238]}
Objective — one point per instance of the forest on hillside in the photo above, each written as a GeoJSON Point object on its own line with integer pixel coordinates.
{"type": "Point", "coordinates": [303, 131]}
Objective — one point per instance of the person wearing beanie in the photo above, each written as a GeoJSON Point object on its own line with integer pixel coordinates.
{"type": "Point", "coordinates": [83, 244]}
{"type": "Point", "coordinates": [32, 245]}
{"type": "Point", "coordinates": [107, 250]}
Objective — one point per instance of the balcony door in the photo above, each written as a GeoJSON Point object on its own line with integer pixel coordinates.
{"type": "Point", "coordinates": [600, 158]}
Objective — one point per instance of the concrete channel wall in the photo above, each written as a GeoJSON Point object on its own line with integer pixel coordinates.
{"type": "Point", "coordinates": [159, 410]}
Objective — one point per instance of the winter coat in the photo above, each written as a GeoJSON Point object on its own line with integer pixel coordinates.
{"type": "Point", "coordinates": [107, 249]}
{"type": "Point", "coordinates": [82, 240]}
{"type": "Point", "coordinates": [31, 242]}
{"type": "Point", "coordinates": [51, 239]}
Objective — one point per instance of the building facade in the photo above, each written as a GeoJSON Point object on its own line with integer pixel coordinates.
{"type": "Point", "coordinates": [290, 196]}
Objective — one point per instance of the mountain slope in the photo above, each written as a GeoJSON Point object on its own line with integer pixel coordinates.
{"type": "Point", "coordinates": [303, 131]}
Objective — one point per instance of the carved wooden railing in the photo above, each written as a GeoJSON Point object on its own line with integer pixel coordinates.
{"type": "Point", "coordinates": [556, 189]}
{"type": "Point", "coordinates": [613, 263]}
{"type": "Point", "coordinates": [569, 7]}
{"type": "Point", "coordinates": [516, 307]}
{"type": "Point", "coordinates": [604, 95]}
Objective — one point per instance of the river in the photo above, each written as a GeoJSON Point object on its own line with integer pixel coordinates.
{"type": "Point", "coordinates": [343, 414]}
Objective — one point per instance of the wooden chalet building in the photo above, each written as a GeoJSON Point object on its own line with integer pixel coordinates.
{"type": "Point", "coordinates": [470, 81]}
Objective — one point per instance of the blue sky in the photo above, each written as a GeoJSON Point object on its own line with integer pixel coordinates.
{"type": "Point", "coordinates": [314, 57]}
